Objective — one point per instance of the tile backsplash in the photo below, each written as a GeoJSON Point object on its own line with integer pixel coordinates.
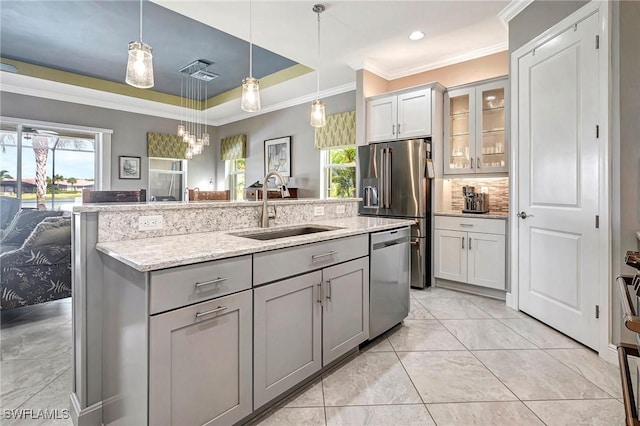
{"type": "Point", "coordinates": [498, 189]}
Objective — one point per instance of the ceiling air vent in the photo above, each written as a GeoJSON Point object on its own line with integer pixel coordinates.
{"type": "Point", "coordinates": [198, 69]}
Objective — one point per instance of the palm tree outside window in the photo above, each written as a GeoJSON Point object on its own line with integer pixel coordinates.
{"type": "Point", "coordinates": [338, 172]}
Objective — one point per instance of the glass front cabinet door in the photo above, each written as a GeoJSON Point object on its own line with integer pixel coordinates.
{"type": "Point", "coordinates": [475, 139]}
{"type": "Point", "coordinates": [460, 131]}
{"type": "Point", "coordinates": [491, 149]}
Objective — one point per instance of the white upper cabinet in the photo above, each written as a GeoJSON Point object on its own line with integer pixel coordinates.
{"type": "Point", "coordinates": [400, 116]}
{"type": "Point", "coordinates": [475, 139]}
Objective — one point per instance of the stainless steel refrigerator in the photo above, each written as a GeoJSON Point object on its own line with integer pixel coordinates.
{"type": "Point", "coordinates": [394, 182]}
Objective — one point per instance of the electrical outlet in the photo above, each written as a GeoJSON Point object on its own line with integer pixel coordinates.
{"type": "Point", "coordinates": [318, 211]}
{"type": "Point", "coordinates": [340, 209]}
{"type": "Point", "coordinates": [150, 223]}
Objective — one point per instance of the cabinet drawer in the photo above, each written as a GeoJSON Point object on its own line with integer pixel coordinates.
{"type": "Point", "coordinates": [184, 285]}
{"type": "Point", "coordinates": [277, 264]}
{"type": "Point", "coordinates": [471, 224]}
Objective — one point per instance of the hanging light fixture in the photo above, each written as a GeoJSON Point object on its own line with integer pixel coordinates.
{"type": "Point", "coordinates": [250, 86]}
{"type": "Point", "coordinates": [193, 117]}
{"type": "Point", "coordinates": [140, 62]}
{"type": "Point", "coordinates": [317, 107]}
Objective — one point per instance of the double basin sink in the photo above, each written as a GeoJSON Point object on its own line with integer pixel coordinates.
{"type": "Point", "coordinates": [275, 234]}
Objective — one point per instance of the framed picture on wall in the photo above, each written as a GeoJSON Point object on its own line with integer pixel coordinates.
{"type": "Point", "coordinates": [129, 167]}
{"type": "Point", "coordinates": [277, 156]}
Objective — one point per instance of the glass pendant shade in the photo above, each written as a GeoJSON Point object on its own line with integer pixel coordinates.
{"type": "Point", "coordinates": [250, 95]}
{"type": "Point", "coordinates": [317, 114]}
{"type": "Point", "coordinates": [140, 65]}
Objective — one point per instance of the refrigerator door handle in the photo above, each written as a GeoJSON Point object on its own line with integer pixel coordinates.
{"type": "Point", "coordinates": [383, 177]}
{"type": "Point", "coordinates": [388, 176]}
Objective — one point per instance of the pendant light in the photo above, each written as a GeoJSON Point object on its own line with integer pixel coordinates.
{"type": "Point", "coordinates": [140, 62]}
{"type": "Point", "coordinates": [317, 107]}
{"type": "Point", "coordinates": [250, 86]}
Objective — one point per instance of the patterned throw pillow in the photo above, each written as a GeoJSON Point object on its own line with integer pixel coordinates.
{"type": "Point", "coordinates": [24, 223]}
{"type": "Point", "coordinates": [53, 230]}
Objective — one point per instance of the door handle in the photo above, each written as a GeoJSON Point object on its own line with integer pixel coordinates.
{"type": "Point", "coordinates": [216, 281]}
{"type": "Point", "coordinates": [319, 300]}
{"type": "Point", "coordinates": [462, 243]}
{"type": "Point", "coordinates": [524, 215]}
{"type": "Point", "coordinates": [328, 296]}
{"type": "Point", "coordinates": [398, 128]}
{"type": "Point", "coordinates": [472, 163]}
{"type": "Point", "coordinates": [388, 175]}
{"type": "Point", "coordinates": [478, 162]}
{"type": "Point", "coordinates": [212, 311]}
{"type": "Point", "coordinates": [393, 129]}
{"type": "Point", "coordinates": [383, 182]}
{"type": "Point", "coordinates": [469, 243]}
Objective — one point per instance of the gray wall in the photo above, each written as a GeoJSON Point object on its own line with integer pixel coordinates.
{"type": "Point", "coordinates": [626, 134]}
{"type": "Point", "coordinates": [538, 17]}
{"type": "Point", "coordinates": [294, 122]}
{"type": "Point", "coordinates": [129, 133]}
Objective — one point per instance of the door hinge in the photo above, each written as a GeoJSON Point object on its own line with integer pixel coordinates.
{"type": "Point", "coordinates": [597, 42]}
{"type": "Point", "coordinates": [597, 311]}
{"type": "Point", "coordinates": [597, 131]}
{"type": "Point", "coordinates": [597, 222]}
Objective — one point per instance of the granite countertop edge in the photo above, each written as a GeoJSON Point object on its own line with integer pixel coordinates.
{"type": "Point", "coordinates": [490, 215]}
{"type": "Point", "coordinates": [173, 205]}
{"type": "Point", "coordinates": [150, 254]}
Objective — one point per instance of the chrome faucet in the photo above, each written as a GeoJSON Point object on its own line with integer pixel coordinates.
{"type": "Point", "coordinates": [265, 196]}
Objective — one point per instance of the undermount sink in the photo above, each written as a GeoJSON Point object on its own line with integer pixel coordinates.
{"type": "Point", "coordinates": [285, 233]}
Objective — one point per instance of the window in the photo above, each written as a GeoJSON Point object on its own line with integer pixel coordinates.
{"type": "Point", "coordinates": [235, 178]}
{"type": "Point", "coordinates": [338, 172]}
{"type": "Point", "coordinates": [167, 178]}
{"type": "Point", "coordinates": [45, 166]}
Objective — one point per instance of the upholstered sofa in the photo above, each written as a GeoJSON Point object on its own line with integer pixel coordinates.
{"type": "Point", "coordinates": [35, 259]}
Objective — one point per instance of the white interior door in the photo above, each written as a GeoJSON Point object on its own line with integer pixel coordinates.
{"type": "Point", "coordinates": [558, 182]}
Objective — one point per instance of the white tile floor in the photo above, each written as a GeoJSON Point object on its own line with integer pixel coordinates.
{"type": "Point", "coordinates": [461, 359]}
{"type": "Point", "coordinates": [457, 360]}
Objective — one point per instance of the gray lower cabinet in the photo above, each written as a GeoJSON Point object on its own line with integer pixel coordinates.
{"type": "Point", "coordinates": [345, 316]}
{"type": "Point", "coordinates": [200, 363]}
{"type": "Point", "coordinates": [302, 324]}
{"type": "Point", "coordinates": [287, 335]}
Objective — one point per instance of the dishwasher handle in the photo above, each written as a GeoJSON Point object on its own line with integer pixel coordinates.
{"type": "Point", "coordinates": [389, 243]}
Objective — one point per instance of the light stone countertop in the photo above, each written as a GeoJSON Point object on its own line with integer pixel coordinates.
{"type": "Point", "coordinates": [151, 254]}
{"type": "Point", "coordinates": [490, 215]}
{"type": "Point", "coordinates": [172, 205]}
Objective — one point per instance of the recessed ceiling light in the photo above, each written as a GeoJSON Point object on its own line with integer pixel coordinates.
{"type": "Point", "coordinates": [416, 35]}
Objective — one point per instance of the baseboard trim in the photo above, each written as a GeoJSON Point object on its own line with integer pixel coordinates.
{"type": "Point", "coordinates": [90, 416]}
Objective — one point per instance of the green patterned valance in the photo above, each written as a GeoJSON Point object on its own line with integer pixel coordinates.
{"type": "Point", "coordinates": [165, 145]}
{"type": "Point", "coordinates": [233, 147]}
{"type": "Point", "coordinates": [340, 131]}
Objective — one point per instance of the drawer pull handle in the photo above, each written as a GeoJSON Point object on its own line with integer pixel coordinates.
{"type": "Point", "coordinates": [466, 225]}
{"type": "Point", "coordinates": [321, 256]}
{"type": "Point", "coordinates": [216, 281]}
{"type": "Point", "coordinates": [212, 311]}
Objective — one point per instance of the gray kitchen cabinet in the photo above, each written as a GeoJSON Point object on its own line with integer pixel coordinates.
{"type": "Point", "coordinates": [200, 363]}
{"type": "Point", "coordinates": [287, 335]}
{"type": "Point", "coordinates": [345, 316]}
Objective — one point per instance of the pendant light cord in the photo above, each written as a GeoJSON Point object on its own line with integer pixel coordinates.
{"type": "Point", "coordinates": [250, 44]}
{"type": "Point", "coordinates": [140, 21]}
{"type": "Point", "coordinates": [318, 71]}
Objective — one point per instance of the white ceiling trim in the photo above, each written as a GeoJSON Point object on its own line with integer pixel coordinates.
{"type": "Point", "coordinates": [404, 72]}
{"type": "Point", "coordinates": [289, 103]}
{"type": "Point", "coordinates": [512, 10]}
{"type": "Point", "coordinates": [31, 86]}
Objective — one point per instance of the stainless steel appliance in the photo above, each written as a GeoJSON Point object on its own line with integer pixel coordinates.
{"type": "Point", "coordinates": [394, 183]}
{"type": "Point", "coordinates": [389, 273]}
{"type": "Point", "coordinates": [632, 323]}
{"type": "Point", "coordinates": [474, 202]}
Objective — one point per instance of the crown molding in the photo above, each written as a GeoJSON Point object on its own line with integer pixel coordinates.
{"type": "Point", "coordinates": [404, 72]}
{"type": "Point", "coordinates": [286, 104]}
{"type": "Point", "coordinates": [512, 10]}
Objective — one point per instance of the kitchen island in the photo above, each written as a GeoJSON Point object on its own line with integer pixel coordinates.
{"type": "Point", "coordinates": [160, 322]}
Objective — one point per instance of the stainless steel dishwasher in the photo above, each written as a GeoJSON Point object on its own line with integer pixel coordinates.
{"type": "Point", "coordinates": [390, 274]}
